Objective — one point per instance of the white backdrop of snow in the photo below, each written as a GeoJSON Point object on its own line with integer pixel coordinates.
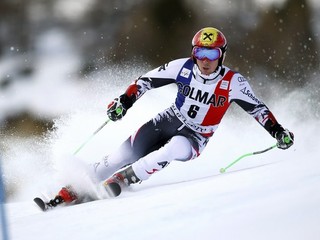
{"type": "Point", "coordinates": [274, 195]}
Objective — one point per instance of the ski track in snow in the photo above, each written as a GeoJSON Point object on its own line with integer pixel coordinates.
{"type": "Point", "coordinates": [274, 195]}
{"type": "Point", "coordinates": [278, 201]}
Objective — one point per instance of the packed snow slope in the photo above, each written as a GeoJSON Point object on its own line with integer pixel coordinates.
{"type": "Point", "coordinates": [274, 195]}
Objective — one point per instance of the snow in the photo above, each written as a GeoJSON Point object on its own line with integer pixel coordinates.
{"type": "Point", "coordinates": [276, 201]}
{"type": "Point", "coordinates": [274, 195]}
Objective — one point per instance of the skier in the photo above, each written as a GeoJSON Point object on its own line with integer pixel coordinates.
{"type": "Point", "coordinates": [206, 88]}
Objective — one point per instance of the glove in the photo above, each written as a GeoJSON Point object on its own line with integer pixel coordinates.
{"type": "Point", "coordinates": [285, 139]}
{"type": "Point", "coordinates": [119, 106]}
{"type": "Point", "coordinates": [116, 109]}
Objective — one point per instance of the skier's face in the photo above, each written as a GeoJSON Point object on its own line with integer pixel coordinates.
{"type": "Point", "coordinates": [206, 66]}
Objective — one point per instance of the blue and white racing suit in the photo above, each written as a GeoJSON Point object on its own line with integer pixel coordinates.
{"type": "Point", "coordinates": [182, 131]}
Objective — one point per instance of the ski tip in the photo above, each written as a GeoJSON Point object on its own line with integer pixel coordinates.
{"type": "Point", "coordinates": [222, 170]}
{"type": "Point", "coordinates": [113, 189]}
{"type": "Point", "coordinates": [41, 204]}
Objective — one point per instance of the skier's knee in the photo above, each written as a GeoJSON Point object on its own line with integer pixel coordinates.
{"type": "Point", "coordinates": [179, 148]}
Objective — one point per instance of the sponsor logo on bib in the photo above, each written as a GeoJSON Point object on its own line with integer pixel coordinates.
{"type": "Point", "coordinates": [185, 72]}
{"type": "Point", "coordinates": [224, 85]}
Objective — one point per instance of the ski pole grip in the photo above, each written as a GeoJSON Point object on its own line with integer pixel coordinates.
{"type": "Point", "coordinates": [287, 140]}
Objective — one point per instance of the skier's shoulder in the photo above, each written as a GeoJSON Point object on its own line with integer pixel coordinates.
{"type": "Point", "coordinates": [180, 61]}
{"type": "Point", "coordinates": [174, 64]}
{"type": "Point", "coordinates": [234, 75]}
{"type": "Point", "coordinates": [168, 70]}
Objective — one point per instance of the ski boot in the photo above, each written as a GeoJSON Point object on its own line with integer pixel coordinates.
{"type": "Point", "coordinates": [119, 180]}
{"type": "Point", "coordinates": [65, 195]}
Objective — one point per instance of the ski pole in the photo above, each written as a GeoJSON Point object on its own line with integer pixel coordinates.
{"type": "Point", "coordinates": [95, 132]}
{"type": "Point", "coordinates": [222, 170]}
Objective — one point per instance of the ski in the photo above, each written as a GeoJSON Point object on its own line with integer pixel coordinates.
{"type": "Point", "coordinates": [41, 204]}
{"type": "Point", "coordinates": [113, 189]}
{"type": "Point", "coordinates": [44, 206]}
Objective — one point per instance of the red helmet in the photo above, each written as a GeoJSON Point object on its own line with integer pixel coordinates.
{"type": "Point", "coordinates": [210, 37]}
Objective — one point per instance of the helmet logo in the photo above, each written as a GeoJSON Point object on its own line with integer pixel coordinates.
{"type": "Point", "coordinates": [206, 35]}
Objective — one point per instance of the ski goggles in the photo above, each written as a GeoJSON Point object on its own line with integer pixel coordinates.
{"type": "Point", "coordinates": [202, 53]}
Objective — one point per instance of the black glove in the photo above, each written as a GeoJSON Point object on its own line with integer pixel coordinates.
{"type": "Point", "coordinates": [116, 110]}
{"type": "Point", "coordinates": [119, 106]}
{"type": "Point", "coordinates": [285, 139]}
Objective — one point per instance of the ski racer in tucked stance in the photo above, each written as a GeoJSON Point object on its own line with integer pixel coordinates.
{"type": "Point", "coordinates": [205, 90]}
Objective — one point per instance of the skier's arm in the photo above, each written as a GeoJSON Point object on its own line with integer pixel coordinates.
{"type": "Point", "coordinates": [158, 77]}
{"type": "Point", "coordinates": [155, 78]}
{"type": "Point", "coordinates": [242, 94]}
